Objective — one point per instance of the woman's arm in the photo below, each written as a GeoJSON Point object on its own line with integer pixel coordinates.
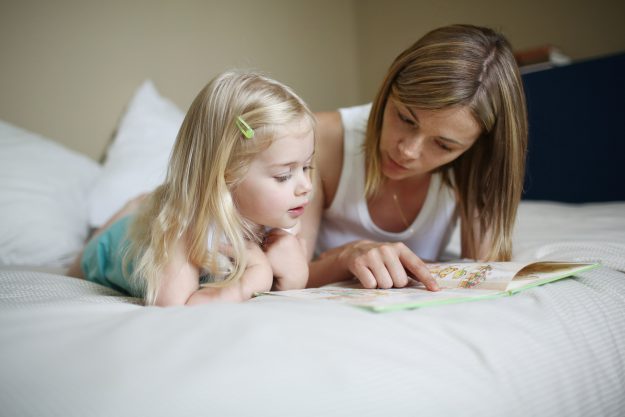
{"type": "Point", "coordinates": [375, 264]}
{"type": "Point", "coordinates": [328, 164]}
{"type": "Point", "coordinates": [480, 251]}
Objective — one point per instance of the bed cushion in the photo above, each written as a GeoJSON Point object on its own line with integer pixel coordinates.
{"type": "Point", "coordinates": [43, 190]}
{"type": "Point", "coordinates": [136, 161]}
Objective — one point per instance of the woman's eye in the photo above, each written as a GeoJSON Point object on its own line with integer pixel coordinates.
{"type": "Point", "coordinates": [443, 146]}
{"type": "Point", "coordinates": [405, 119]}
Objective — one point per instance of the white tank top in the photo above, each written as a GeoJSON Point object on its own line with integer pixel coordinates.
{"type": "Point", "coordinates": [347, 219]}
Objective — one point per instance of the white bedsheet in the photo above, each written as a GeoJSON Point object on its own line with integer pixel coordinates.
{"type": "Point", "coordinates": [73, 348]}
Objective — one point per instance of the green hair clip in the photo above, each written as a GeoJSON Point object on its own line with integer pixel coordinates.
{"type": "Point", "coordinates": [247, 131]}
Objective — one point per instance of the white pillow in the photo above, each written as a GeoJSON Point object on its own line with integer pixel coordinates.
{"type": "Point", "coordinates": [136, 161]}
{"type": "Point", "coordinates": [43, 199]}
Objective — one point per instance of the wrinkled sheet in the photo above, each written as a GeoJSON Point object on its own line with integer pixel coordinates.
{"type": "Point", "coordinates": [73, 348]}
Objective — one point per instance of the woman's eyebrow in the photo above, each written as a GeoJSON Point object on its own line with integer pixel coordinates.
{"type": "Point", "coordinates": [414, 116]}
{"type": "Point", "coordinates": [454, 141]}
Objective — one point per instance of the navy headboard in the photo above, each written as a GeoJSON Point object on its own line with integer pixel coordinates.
{"type": "Point", "coordinates": [577, 132]}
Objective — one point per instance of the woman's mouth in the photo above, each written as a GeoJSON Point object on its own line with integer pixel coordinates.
{"type": "Point", "coordinates": [394, 166]}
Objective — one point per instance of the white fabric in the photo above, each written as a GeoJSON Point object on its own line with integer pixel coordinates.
{"type": "Point", "coordinates": [73, 348]}
{"type": "Point", "coordinates": [43, 189]}
{"type": "Point", "coordinates": [136, 161]}
{"type": "Point", "coordinates": [348, 219]}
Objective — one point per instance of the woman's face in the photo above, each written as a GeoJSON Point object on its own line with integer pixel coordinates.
{"type": "Point", "coordinates": [416, 141]}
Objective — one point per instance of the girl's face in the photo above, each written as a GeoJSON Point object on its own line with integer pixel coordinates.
{"type": "Point", "coordinates": [277, 186]}
{"type": "Point", "coordinates": [416, 141]}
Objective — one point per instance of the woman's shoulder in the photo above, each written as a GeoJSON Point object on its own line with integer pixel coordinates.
{"type": "Point", "coordinates": [355, 118]}
{"type": "Point", "coordinates": [332, 126]}
{"type": "Point", "coordinates": [329, 150]}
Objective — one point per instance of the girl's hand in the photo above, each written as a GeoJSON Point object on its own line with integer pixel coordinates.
{"type": "Point", "coordinates": [384, 265]}
{"type": "Point", "coordinates": [257, 277]}
{"type": "Point", "coordinates": [287, 255]}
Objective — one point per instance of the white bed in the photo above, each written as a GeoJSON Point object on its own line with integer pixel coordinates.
{"type": "Point", "coordinates": [73, 348]}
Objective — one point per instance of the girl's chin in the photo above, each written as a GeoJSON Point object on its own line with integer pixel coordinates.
{"type": "Point", "coordinates": [282, 225]}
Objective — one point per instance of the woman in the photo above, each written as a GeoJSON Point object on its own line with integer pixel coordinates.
{"type": "Point", "coordinates": [445, 138]}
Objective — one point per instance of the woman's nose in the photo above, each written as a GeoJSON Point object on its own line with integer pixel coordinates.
{"type": "Point", "coordinates": [411, 147]}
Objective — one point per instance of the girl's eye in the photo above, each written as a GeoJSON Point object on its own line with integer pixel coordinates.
{"type": "Point", "coordinates": [283, 178]}
{"type": "Point", "coordinates": [308, 168]}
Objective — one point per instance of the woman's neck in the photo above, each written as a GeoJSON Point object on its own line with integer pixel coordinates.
{"type": "Point", "coordinates": [398, 203]}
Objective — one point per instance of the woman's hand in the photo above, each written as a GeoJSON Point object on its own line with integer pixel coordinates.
{"type": "Point", "coordinates": [384, 265]}
{"type": "Point", "coordinates": [287, 255]}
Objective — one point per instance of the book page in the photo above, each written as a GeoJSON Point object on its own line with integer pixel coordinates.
{"type": "Point", "coordinates": [541, 272]}
{"type": "Point", "coordinates": [475, 275]}
{"type": "Point", "coordinates": [417, 295]}
{"type": "Point", "coordinates": [459, 282]}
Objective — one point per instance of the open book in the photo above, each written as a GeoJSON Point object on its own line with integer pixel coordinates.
{"type": "Point", "coordinates": [459, 282]}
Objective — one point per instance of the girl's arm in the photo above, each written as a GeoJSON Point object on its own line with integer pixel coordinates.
{"type": "Point", "coordinates": [180, 280]}
{"type": "Point", "coordinates": [288, 258]}
{"type": "Point", "coordinates": [257, 277]}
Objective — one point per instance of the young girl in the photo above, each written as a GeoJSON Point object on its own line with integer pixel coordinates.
{"type": "Point", "coordinates": [241, 163]}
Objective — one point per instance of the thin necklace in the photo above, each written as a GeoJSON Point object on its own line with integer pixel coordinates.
{"type": "Point", "coordinates": [401, 212]}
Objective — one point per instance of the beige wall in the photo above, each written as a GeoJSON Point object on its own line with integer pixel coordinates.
{"type": "Point", "coordinates": [580, 28]}
{"type": "Point", "coordinates": [69, 67]}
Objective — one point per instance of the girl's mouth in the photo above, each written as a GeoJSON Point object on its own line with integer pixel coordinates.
{"type": "Point", "coordinates": [297, 211]}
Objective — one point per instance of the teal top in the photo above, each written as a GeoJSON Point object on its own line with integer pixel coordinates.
{"type": "Point", "coordinates": [103, 258]}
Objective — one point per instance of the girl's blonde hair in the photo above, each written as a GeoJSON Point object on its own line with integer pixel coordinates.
{"type": "Point", "coordinates": [209, 159]}
{"type": "Point", "coordinates": [463, 65]}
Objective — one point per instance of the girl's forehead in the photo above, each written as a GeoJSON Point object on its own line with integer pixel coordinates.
{"type": "Point", "coordinates": [291, 146]}
{"type": "Point", "coordinates": [299, 125]}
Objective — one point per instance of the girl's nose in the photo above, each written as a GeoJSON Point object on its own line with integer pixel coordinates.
{"type": "Point", "coordinates": [304, 183]}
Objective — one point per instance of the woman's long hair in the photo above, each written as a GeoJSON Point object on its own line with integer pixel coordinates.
{"type": "Point", "coordinates": [463, 65]}
{"type": "Point", "coordinates": [209, 159]}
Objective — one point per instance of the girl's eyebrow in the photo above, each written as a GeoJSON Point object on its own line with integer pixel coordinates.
{"type": "Point", "coordinates": [286, 164]}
